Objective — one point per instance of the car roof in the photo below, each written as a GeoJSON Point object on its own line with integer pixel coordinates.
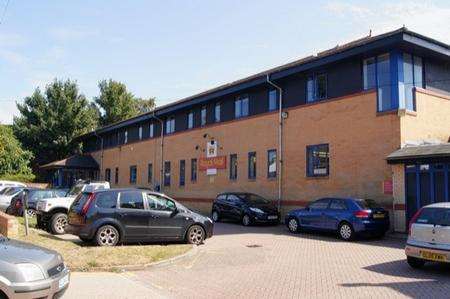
{"type": "Point", "coordinates": [439, 205]}
{"type": "Point", "coordinates": [127, 189]}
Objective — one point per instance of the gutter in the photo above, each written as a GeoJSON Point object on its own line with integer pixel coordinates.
{"type": "Point", "coordinates": [280, 139]}
{"type": "Point", "coordinates": [161, 183]}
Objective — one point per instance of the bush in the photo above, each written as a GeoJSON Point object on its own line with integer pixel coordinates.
{"type": "Point", "coordinates": [21, 177]}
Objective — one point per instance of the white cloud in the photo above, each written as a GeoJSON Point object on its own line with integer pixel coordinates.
{"type": "Point", "coordinates": [8, 111]}
{"type": "Point", "coordinates": [72, 34]}
{"type": "Point", "coordinates": [425, 17]}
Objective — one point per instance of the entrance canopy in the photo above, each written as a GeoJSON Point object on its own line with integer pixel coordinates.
{"type": "Point", "coordinates": [414, 154]}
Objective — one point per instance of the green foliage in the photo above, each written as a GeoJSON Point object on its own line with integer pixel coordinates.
{"type": "Point", "coordinates": [49, 121]}
{"type": "Point", "coordinates": [117, 104]}
{"type": "Point", "coordinates": [14, 161]}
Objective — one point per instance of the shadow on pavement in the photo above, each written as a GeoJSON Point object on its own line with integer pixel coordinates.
{"type": "Point", "coordinates": [433, 281]}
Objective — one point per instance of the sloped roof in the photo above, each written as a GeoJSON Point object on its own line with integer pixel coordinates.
{"type": "Point", "coordinates": [409, 153]}
{"type": "Point", "coordinates": [74, 162]}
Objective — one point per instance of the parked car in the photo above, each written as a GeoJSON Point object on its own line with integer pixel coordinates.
{"type": "Point", "coordinates": [346, 216]}
{"type": "Point", "coordinates": [6, 197]}
{"type": "Point", "coordinates": [51, 213]}
{"type": "Point", "coordinates": [429, 235]}
{"type": "Point", "coordinates": [29, 271]}
{"type": "Point", "coordinates": [5, 184]}
{"type": "Point", "coordinates": [32, 196]}
{"type": "Point", "coordinates": [247, 208]}
{"type": "Point", "coordinates": [108, 217]}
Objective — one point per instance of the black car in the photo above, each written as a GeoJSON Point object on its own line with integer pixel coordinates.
{"type": "Point", "coordinates": [110, 216]}
{"type": "Point", "coordinates": [247, 208]}
{"type": "Point", "coordinates": [31, 195]}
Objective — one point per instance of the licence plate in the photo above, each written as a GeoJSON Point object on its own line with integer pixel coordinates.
{"type": "Point", "coordinates": [272, 217]}
{"type": "Point", "coordinates": [433, 256]}
{"type": "Point", "coordinates": [63, 282]}
{"type": "Point", "coordinates": [378, 216]}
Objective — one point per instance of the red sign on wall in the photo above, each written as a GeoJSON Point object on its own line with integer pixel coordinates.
{"type": "Point", "coordinates": [219, 162]}
{"type": "Point", "coordinates": [388, 187]}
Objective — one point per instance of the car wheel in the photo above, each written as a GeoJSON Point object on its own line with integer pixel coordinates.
{"type": "Point", "coordinates": [246, 221]}
{"type": "Point", "coordinates": [293, 225]}
{"type": "Point", "coordinates": [31, 213]}
{"type": "Point", "coordinates": [346, 232]}
{"type": "Point", "coordinates": [3, 295]}
{"type": "Point", "coordinates": [195, 235]}
{"type": "Point", "coordinates": [58, 223]}
{"type": "Point", "coordinates": [415, 262]}
{"type": "Point", "coordinates": [215, 216]}
{"type": "Point", "coordinates": [107, 235]}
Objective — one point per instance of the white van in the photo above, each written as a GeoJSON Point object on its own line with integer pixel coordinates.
{"type": "Point", "coordinates": [6, 184]}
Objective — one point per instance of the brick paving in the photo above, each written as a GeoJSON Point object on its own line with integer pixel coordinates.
{"type": "Point", "coordinates": [269, 262]}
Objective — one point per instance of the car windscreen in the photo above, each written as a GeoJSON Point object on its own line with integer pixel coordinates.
{"type": "Point", "coordinates": [61, 192]}
{"type": "Point", "coordinates": [253, 199]}
{"type": "Point", "coordinates": [367, 204]}
{"type": "Point", "coordinates": [434, 216]}
{"type": "Point", "coordinates": [79, 201]}
{"type": "Point", "coordinates": [75, 190]}
{"type": "Point", "coordinates": [4, 190]}
{"type": "Point", "coordinates": [13, 190]}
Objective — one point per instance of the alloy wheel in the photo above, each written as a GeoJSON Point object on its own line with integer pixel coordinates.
{"type": "Point", "coordinates": [345, 231]}
{"type": "Point", "coordinates": [293, 225]}
{"type": "Point", "coordinates": [31, 213]}
{"type": "Point", "coordinates": [108, 236]}
{"type": "Point", "coordinates": [196, 235]}
{"type": "Point", "coordinates": [61, 223]}
{"type": "Point", "coordinates": [246, 220]}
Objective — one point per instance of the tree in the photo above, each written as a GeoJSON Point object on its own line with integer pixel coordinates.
{"type": "Point", "coordinates": [14, 160]}
{"type": "Point", "coordinates": [116, 103]}
{"type": "Point", "coordinates": [49, 122]}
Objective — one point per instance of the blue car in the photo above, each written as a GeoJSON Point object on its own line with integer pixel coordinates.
{"type": "Point", "coordinates": [347, 217]}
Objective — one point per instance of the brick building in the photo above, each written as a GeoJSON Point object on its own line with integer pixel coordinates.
{"type": "Point", "coordinates": [344, 111]}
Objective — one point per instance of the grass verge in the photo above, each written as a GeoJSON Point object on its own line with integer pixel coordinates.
{"type": "Point", "coordinates": [81, 256]}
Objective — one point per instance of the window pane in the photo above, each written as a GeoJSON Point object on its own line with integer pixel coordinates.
{"type": "Point", "coordinates": [193, 170]}
{"type": "Point", "coordinates": [233, 167]}
{"type": "Point", "coordinates": [369, 73]}
{"type": "Point", "coordinates": [131, 200]}
{"type": "Point", "coordinates": [321, 87]}
{"type": "Point", "coordinates": [319, 205]}
{"type": "Point", "coordinates": [182, 172]}
{"type": "Point", "coordinates": [272, 163]}
{"type": "Point", "coordinates": [166, 173]}
{"type": "Point", "coordinates": [337, 204]}
{"type": "Point", "coordinates": [217, 113]}
{"type": "Point", "coordinates": [106, 200]}
{"type": "Point", "coordinates": [272, 100]}
{"type": "Point", "coordinates": [245, 107]}
{"type": "Point", "coordinates": [116, 178]}
{"type": "Point", "coordinates": [318, 160]}
{"type": "Point", "coordinates": [150, 173]}
{"type": "Point", "coordinates": [190, 120]}
{"type": "Point", "coordinates": [203, 116]}
{"type": "Point", "coordinates": [160, 203]}
{"type": "Point", "coordinates": [408, 81]}
{"type": "Point", "coordinates": [384, 83]}
{"type": "Point", "coordinates": [140, 132]}
{"type": "Point", "coordinates": [252, 165]}
{"type": "Point", "coordinates": [237, 109]}
{"type": "Point", "coordinates": [310, 89]}
{"type": "Point", "coordinates": [133, 174]}
{"type": "Point", "coordinates": [151, 130]}
{"type": "Point", "coordinates": [418, 72]}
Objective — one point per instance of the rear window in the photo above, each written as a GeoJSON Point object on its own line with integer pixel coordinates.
{"type": "Point", "coordinates": [80, 200]}
{"type": "Point", "coordinates": [434, 216]}
{"type": "Point", "coordinates": [107, 200]}
{"type": "Point", "coordinates": [367, 204]}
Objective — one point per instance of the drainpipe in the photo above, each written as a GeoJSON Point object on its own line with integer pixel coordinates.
{"type": "Point", "coordinates": [101, 157]}
{"type": "Point", "coordinates": [161, 183]}
{"type": "Point", "coordinates": [280, 139]}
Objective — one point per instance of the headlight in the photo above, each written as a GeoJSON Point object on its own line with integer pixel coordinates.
{"type": "Point", "coordinates": [256, 210]}
{"type": "Point", "coordinates": [30, 272]}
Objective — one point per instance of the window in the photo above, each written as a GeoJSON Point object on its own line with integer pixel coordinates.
{"type": "Point", "coordinates": [170, 125]}
{"type": "Point", "coordinates": [233, 167]}
{"type": "Point", "coordinates": [167, 173]}
{"type": "Point", "coordinates": [108, 174]}
{"type": "Point", "coordinates": [106, 200]}
{"type": "Point", "coordinates": [369, 76]}
{"type": "Point", "coordinates": [160, 203]}
{"type": "Point", "coordinates": [152, 130]}
{"type": "Point", "coordinates": [140, 132]}
{"type": "Point", "coordinates": [412, 77]}
{"type": "Point", "coordinates": [125, 140]}
{"type": "Point", "coordinates": [273, 99]}
{"type": "Point", "coordinates": [252, 165]}
{"type": "Point", "coordinates": [190, 120]}
{"type": "Point", "coordinates": [182, 172]}
{"type": "Point", "coordinates": [317, 160]}
{"type": "Point", "coordinates": [337, 204]}
{"type": "Point", "coordinates": [150, 173]}
{"type": "Point", "coordinates": [217, 112]}
{"type": "Point", "coordinates": [131, 200]}
{"type": "Point", "coordinates": [203, 116]}
{"type": "Point", "coordinates": [133, 174]}
{"type": "Point", "coordinates": [272, 163]}
{"type": "Point", "coordinates": [320, 204]}
{"type": "Point", "coordinates": [316, 87]}
{"type": "Point", "coordinates": [241, 107]}
{"type": "Point", "coordinates": [384, 83]}
{"type": "Point", "coordinates": [116, 178]}
{"type": "Point", "coordinates": [193, 170]}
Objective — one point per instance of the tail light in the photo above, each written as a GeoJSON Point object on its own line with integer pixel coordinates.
{"type": "Point", "coordinates": [87, 204]}
{"type": "Point", "coordinates": [413, 219]}
{"type": "Point", "coordinates": [362, 214]}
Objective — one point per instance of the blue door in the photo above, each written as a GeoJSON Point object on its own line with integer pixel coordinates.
{"type": "Point", "coordinates": [315, 215]}
{"type": "Point", "coordinates": [336, 211]}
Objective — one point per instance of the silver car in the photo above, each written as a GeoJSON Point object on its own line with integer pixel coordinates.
{"type": "Point", "coordinates": [28, 271]}
{"type": "Point", "coordinates": [429, 235]}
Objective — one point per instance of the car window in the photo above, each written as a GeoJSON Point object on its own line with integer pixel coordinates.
{"type": "Point", "coordinates": [222, 197]}
{"type": "Point", "coordinates": [337, 204]}
{"type": "Point", "coordinates": [367, 204]}
{"type": "Point", "coordinates": [319, 204]}
{"type": "Point", "coordinates": [13, 190]}
{"type": "Point", "coordinates": [160, 203]}
{"type": "Point", "coordinates": [233, 198]}
{"type": "Point", "coordinates": [253, 199]}
{"type": "Point", "coordinates": [60, 192]}
{"type": "Point", "coordinates": [131, 200]}
{"type": "Point", "coordinates": [434, 216]}
{"type": "Point", "coordinates": [75, 190]}
{"type": "Point", "coordinates": [107, 200]}
{"type": "Point", "coordinates": [37, 195]}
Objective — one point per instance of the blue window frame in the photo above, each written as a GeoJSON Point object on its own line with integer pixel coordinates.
{"type": "Point", "coordinates": [190, 120]}
{"type": "Point", "coordinates": [410, 76]}
{"type": "Point", "coordinates": [133, 174]}
{"type": "Point", "coordinates": [152, 130]}
{"type": "Point", "coordinates": [241, 107]}
{"type": "Point", "coordinates": [316, 87]}
{"type": "Point", "coordinates": [273, 99]}
{"type": "Point", "coordinates": [170, 125]}
{"type": "Point", "coordinates": [317, 160]}
{"type": "Point", "coordinates": [272, 163]}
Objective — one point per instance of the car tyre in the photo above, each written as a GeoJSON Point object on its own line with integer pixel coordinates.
{"type": "Point", "coordinates": [415, 262]}
{"type": "Point", "coordinates": [215, 216]}
{"type": "Point", "coordinates": [195, 235]}
{"type": "Point", "coordinates": [107, 235]}
{"type": "Point", "coordinates": [31, 213]}
{"type": "Point", "coordinates": [293, 225]}
{"type": "Point", "coordinates": [85, 240]}
{"type": "Point", "coordinates": [246, 220]}
{"type": "Point", "coordinates": [346, 231]}
{"type": "Point", "coordinates": [58, 223]}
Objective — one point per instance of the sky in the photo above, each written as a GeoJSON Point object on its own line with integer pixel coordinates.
{"type": "Point", "coordinates": [173, 49]}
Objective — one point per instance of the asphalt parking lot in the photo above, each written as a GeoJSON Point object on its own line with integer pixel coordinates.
{"type": "Point", "coordinates": [268, 262]}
